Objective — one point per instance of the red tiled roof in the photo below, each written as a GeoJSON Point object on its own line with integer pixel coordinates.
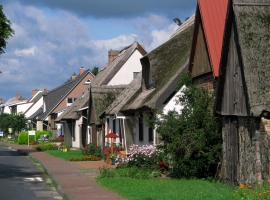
{"type": "Point", "coordinates": [213, 15]}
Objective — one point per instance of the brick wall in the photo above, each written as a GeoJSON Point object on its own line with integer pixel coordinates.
{"type": "Point", "coordinates": [206, 81]}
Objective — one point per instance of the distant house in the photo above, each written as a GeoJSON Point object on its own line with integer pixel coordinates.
{"type": "Point", "coordinates": [35, 109]}
{"type": "Point", "coordinates": [243, 92]}
{"type": "Point", "coordinates": [74, 121]}
{"type": "Point", "coordinates": [58, 99]}
{"type": "Point", "coordinates": [153, 88]}
{"type": "Point", "coordinates": [122, 67]}
{"type": "Point", "coordinates": [11, 106]}
{"type": "Point", "coordinates": [207, 42]}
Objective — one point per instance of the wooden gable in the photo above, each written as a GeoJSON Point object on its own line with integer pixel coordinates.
{"type": "Point", "coordinates": [200, 63]}
{"type": "Point", "coordinates": [232, 98]}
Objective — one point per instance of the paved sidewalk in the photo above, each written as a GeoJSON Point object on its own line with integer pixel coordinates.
{"type": "Point", "coordinates": [68, 177]}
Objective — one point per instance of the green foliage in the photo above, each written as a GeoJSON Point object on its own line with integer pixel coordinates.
{"type": "Point", "coordinates": [65, 155]}
{"type": "Point", "coordinates": [5, 30]}
{"type": "Point", "coordinates": [95, 70]}
{"type": "Point", "coordinates": [131, 172]}
{"type": "Point", "coordinates": [45, 146]}
{"type": "Point", "coordinates": [192, 139]}
{"type": "Point", "coordinates": [23, 136]}
{"type": "Point", "coordinates": [17, 122]}
{"type": "Point", "coordinates": [92, 149]}
{"type": "Point", "coordinates": [167, 188]}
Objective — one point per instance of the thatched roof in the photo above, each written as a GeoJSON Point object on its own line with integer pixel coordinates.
{"type": "Point", "coordinates": [253, 28]}
{"type": "Point", "coordinates": [166, 63]}
{"type": "Point", "coordinates": [110, 69]}
{"type": "Point", "coordinates": [102, 94]}
{"type": "Point", "coordinates": [102, 97]}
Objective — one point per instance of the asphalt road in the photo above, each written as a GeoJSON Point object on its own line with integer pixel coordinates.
{"type": "Point", "coordinates": [20, 178]}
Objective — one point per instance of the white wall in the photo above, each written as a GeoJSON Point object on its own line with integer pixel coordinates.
{"type": "Point", "coordinates": [171, 105]}
{"type": "Point", "coordinates": [125, 74]}
{"type": "Point", "coordinates": [34, 108]}
{"type": "Point", "coordinates": [23, 107]}
{"type": "Point", "coordinates": [76, 143]}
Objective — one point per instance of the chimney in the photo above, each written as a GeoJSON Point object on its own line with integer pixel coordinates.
{"type": "Point", "coordinates": [45, 90]}
{"type": "Point", "coordinates": [34, 92]}
{"type": "Point", "coordinates": [1, 100]}
{"type": "Point", "coordinates": [73, 76]}
{"type": "Point", "coordinates": [18, 96]}
{"type": "Point", "coordinates": [81, 70]}
{"type": "Point", "coordinates": [112, 54]}
{"type": "Point", "coordinates": [142, 45]}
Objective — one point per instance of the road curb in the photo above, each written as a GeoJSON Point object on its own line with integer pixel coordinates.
{"type": "Point", "coordinates": [57, 185]}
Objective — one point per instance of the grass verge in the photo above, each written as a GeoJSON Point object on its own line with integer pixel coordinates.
{"type": "Point", "coordinates": [166, 188]}
{"type": "Point", "coordinates": [65, 155]}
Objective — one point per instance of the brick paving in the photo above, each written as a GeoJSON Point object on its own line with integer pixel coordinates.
{"type": "Point", "coordinates": [68, 177]}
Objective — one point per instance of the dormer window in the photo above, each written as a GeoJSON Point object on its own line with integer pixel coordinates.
{"type": "Point", "coordinates": [87, 82]}
{"type": "Point", "coordinates": [147, 74]}
{"type": "Point", "coordinates": [70, 101]}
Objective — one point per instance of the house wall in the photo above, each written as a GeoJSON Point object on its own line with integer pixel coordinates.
{"type": "Point", "coordinates": [145, 140]}
{"type": "Point", "coordinates": [201, 62]}
{"type": "Point", "coordinates": [23, 107]}
{"type": "Point", "coordinates": [245, 151]}
{"type": "Point", "coordinates": [171, 105]}
{"type": "Point", "coordinates": [233, 98]}
{"type": "Point", "coordinates": [75, 93]}
{"type": "Point", "coordinates": [206, 81]}
{"type": "Point", "coordinates": [76, 140]}
{"type": "Point", "coordinates": [34, 108]}
{"type": "Point", "coordinates": [125, 74]}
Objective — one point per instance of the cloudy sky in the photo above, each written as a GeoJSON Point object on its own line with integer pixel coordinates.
{"type": "Point", "coordinates": [54, 38]}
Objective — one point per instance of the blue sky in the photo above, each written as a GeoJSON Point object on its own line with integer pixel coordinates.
{"type": "Point", "coordinates": [53, 39]}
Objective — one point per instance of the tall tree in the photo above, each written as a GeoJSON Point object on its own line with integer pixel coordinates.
{"type": "Point", "coordinates": [95, 70]}
{"type": "Point", "coordinates": [5, 30]}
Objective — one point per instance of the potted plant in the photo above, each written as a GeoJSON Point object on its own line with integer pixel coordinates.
{"type": "Point", "coordinates": [113, 158]}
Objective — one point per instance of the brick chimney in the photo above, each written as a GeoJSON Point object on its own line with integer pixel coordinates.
{"type": "Point", "coordinates": [18, 96]}
{"type": "Point", "coordinates": [1, 100]}
{"type": "Point", "coordinates": [81, 70]}
{"type": "Point", "coordinates": [112, 54]}
{"type": "Point", "coordinates": [34, 92]}
{"type": "Point", "coordinates": [46, 90]}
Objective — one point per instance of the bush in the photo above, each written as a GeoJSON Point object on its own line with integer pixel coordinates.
{"type": "Point", "coordinates": [145, 157]}
{"type": "Point", "coordinates": [192, 138]}
{"type": "Point", "coordinates": [23, 136]}
{"type": "Point", "coordinates": [130, 172]}
{"type": "Point", "coordinates": [45, 146]}
{"type": "Point", "coordinates": [92, 149]}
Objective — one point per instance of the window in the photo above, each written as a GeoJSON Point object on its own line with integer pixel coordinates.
{"type": "Point", "coordinates": [150, 130]}
{"type": "Point", "coordinates": [87, 82]}
{"type": "Point", "coordinates": [135, 74]}
{"type": "Point", "coordinates": [141, 127]}
{"type": "Point", "coordinates": [70, 101]}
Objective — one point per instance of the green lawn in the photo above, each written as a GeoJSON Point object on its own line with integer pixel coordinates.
{"type": "Point", "coordinates": [65, 155]}
{"type": "Point", "coordinates": [166, 188]}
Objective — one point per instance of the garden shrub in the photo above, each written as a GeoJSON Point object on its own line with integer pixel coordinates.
{"type": "Point", "coordinates": [92, 149]}
{"type": "Point", "coordinates": [192, 138]}
{"type": "Point", "coordinates": [23, 136]}
{"type": "Point", "coordinates": [45, 146]}
{"type": "Point", "coordinates": [146, 157]}
{"type": "Point", "coordinates": [130, 172]}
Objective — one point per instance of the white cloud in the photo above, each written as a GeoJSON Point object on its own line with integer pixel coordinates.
{"type": "Point", "coordinates": [25, 52]}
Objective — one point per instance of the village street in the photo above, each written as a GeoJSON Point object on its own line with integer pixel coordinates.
{"type": "Point", "coordinates": [20, 178]}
